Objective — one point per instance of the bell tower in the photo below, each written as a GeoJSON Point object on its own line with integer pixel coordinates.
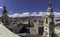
{"type": "Point", "coordinates": [49, 22]}
{"type": "Point", "coordinates": [5, 16]}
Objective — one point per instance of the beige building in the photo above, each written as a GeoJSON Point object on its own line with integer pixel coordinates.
{"type": "Point", "coordinates": [49, 22]}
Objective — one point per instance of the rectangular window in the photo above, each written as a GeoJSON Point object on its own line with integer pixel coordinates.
{"type": "Point", "coordinates": [46, 20]}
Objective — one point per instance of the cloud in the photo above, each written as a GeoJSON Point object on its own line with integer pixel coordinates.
{"type": "Point", "coordinates": [19, 15]}
{"type": "Point", "coordinates": [41, 14]}
{"type": "Point", "coordinates": [1, 7]}
{"type": "Point", "coordinates": [14, 15]}
{"type": "Point", "coordinates": [24, 14]}
{"type": "Point", "coordinates": [57, 14]}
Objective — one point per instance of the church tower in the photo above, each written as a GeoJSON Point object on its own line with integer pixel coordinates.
{"type": "Point", "coordinates": [5, 16]}
{"type": "Point", "coordinates": [49, 22]}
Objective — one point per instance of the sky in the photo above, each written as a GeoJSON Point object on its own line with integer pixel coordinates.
{"type": "Point", "coordinates": [21, 6]}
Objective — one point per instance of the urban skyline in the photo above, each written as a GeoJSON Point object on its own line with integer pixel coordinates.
{"type": "Point", "coordinates": [30, 20]}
